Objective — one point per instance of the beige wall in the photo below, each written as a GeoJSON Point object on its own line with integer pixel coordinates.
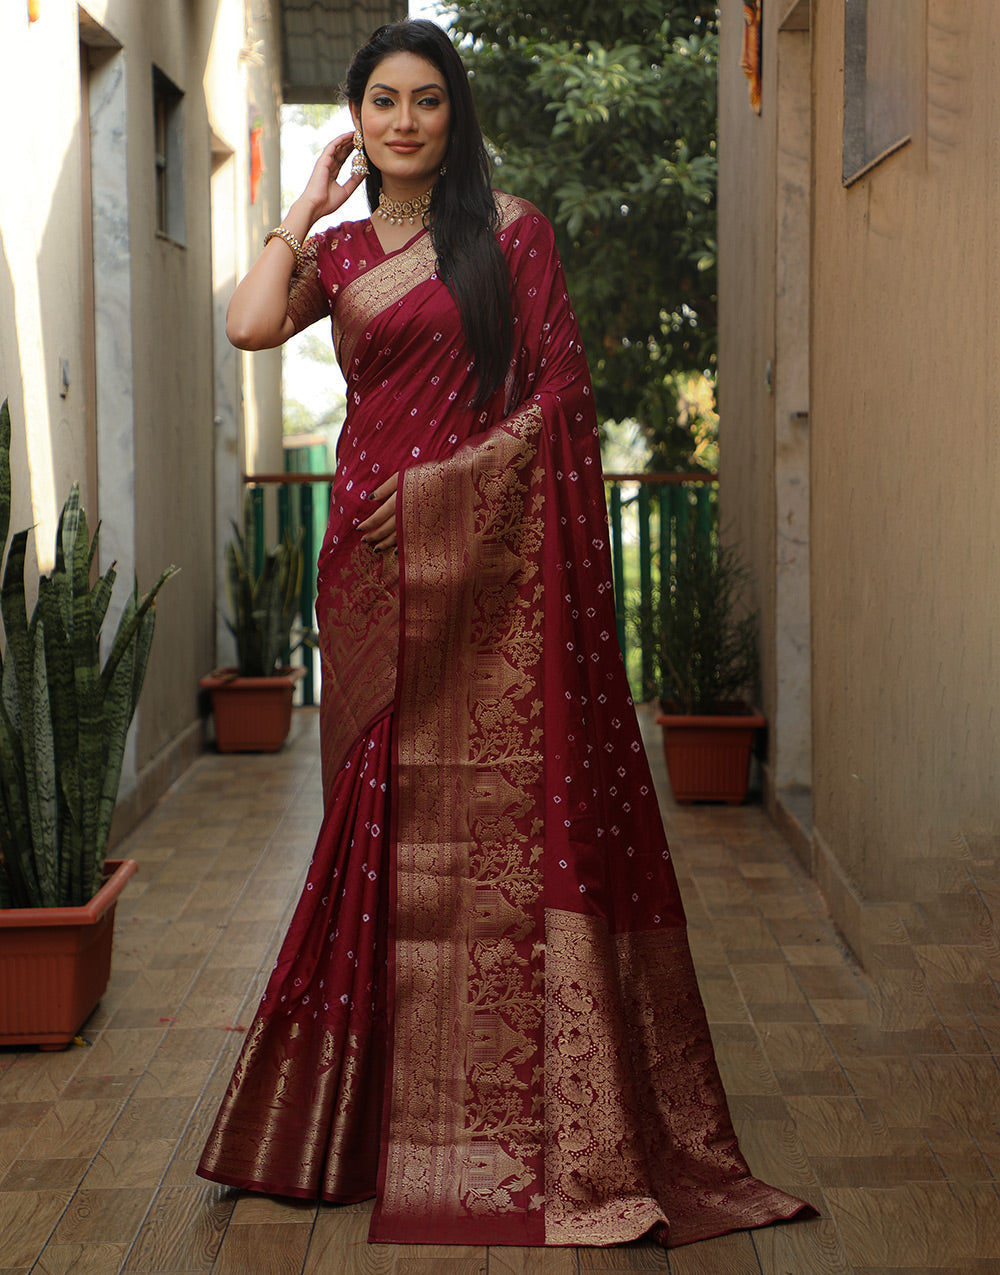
{"type": "Point", "coordinates": [764, 237]}
{"type": "Point", "coordinates": [905, 476]}
{"type": "Point", "coordinates": [746, 324]}
{"type": "Point", "coordinates": [904, 483]}
{"type": "Point", "coordinates": [40, 245]}
{"type": "Point", "coordinates": [146, 449]}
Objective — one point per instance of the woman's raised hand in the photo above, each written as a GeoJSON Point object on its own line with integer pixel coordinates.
{"type": "Point", "coordinates": [324, 192]}
{"type": "Point", "coordinates": [257, 318]}
{"type": "Point", "coordinates": [378, 530]}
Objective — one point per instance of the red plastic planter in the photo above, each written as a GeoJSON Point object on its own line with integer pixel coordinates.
{"type": "Point", "coordinates": [252, 714]}
{"type": "Point", "coordinates": [55, 964]}
{"type": "Point", "coordinates": [708, 758]}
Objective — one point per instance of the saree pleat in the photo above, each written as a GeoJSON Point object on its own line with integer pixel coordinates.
{"type": "Point", "coordinates": [302, 1112]}
{"type": "Point", "coordinates": [491, 1002]}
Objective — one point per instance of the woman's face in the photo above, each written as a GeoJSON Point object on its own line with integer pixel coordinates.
{"type": "Point", "coordinates": [404, 117]}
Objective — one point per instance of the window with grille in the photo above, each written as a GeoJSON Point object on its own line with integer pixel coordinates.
{"type": "Point", "coordinates": [169, 151]}
{"type": "Point", "coordinates": [884, 42]}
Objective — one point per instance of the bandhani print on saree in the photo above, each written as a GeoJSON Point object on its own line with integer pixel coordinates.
{"type": "Point", "coordinates": [376, 290]}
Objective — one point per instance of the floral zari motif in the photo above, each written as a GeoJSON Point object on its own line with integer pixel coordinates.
{"type": "Point", "coordinates": [466, 1124]}
{"type": "Point", "coordinates": [597, 1184]}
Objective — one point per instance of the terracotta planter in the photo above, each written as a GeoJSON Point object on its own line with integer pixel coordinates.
{"type": "Point", "coordinates": [55, 964]}
{"type": "Point", "coordinates": [252, 714]}
{"type": "Point", "coordinates": [708, 758]}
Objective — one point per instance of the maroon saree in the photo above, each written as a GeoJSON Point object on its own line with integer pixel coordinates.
{"type": "Point", "coordinates": [484, 1012]}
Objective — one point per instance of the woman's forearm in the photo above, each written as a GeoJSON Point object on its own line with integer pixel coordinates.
{"type": "Point", "coordinates": [257, 315]}
{"type": "Point", "coordinates": [257, 318]}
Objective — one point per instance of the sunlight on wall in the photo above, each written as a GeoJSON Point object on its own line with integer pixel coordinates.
{"type": "Point", "coordinates": [29, 57]}
{"type": "Point", "coordinates": [226, 86]}
{"type": "Point", "coordinates": [239, 82]}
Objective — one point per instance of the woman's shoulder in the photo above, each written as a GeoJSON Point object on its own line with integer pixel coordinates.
{"type": "Point", "coordinates": [515, 211]}
{"type": "Point", "coordinates": [331, 237]}
{"type": "Point", "coordinates": [513, 208]}
{"type": "Point", "coordinates": [339, 251]}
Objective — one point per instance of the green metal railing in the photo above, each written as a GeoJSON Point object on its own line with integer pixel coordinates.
{"type": "Point", "coordinates": [302, 500]}
{"type": "Point", "coordinates": [648, 515]}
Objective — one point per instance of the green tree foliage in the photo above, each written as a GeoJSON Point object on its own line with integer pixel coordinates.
{"type": "Point", "coordinates": [297, 419]}
{"type": "Point", "coordinates": [313, 115]}
{"type": "Point", "coordinates": [605, 117]}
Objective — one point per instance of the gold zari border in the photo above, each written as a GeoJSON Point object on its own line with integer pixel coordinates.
{"type": "Point", "coordinates": [367, 296]}
{"type": "Point", "coordinates": [359, 639]}
{"type": "Point", "coordinates": [597, 1188]}
{"type": "Point", "coordinates": [465, 1129]}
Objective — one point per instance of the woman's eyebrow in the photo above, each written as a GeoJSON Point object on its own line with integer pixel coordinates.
{"type": "Point", "coordinates": [422, 89]}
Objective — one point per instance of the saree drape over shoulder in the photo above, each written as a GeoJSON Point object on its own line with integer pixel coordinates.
{"type": "Point", "coordinates": [484, 1012]}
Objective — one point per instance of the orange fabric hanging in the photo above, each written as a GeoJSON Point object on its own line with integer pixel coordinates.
{"type": "Point", "coordinates": [256, 156]}
{"type": "Point", "coordinates": [751, 55]}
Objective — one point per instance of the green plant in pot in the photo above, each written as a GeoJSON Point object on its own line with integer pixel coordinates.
{"type": "Point", "coordinates": [263, 605]}
{"type": "Point", "coordinates": [64, 718]}
{"type": "Point", "coordinates": [706, 660]}
{"type": "Point", "coordinates": [252, 701]}
{"type": "Point", "coordinates": [705, 651]}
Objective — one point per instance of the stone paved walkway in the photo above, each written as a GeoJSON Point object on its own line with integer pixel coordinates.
{"type": "Point", "coordinates": [876, 1100]}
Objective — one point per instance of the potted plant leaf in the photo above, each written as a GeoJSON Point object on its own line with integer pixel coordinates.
{"type": "Point", "coordinates": [63, 722]}
{"type": "Point", "coordinates": [706, 659]}
{"type": "Point", "coordinates": [252, 702]}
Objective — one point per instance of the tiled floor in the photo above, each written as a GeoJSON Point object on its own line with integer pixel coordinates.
{"type": "Point", "coordinates": [878, 1102]}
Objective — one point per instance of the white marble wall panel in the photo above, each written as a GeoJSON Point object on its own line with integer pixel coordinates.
{"type": "Point", "coordinates": [113, 338]}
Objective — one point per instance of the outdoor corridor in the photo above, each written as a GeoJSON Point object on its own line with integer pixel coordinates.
{"type": "Point", "coordinates": [878, 1102]}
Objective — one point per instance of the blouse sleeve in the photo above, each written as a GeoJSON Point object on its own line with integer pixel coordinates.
{"type": "Point", "coordinates": [307, 298]}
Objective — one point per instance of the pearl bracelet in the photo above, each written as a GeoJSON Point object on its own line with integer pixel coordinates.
{"type": "Point", "coordinates": [286, 236]}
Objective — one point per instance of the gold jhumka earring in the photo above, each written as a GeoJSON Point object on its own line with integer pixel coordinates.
{"type": "Point", "coordinates": [359, 163]}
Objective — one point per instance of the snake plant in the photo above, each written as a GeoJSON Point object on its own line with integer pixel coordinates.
{"type": "Point", "coordinates": [264, 605]}
{"type": "Point", "coordinates": [63, 717]}
{"type": "Point", "coordinates": [705, 651]}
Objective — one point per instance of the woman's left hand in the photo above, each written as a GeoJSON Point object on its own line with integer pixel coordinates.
{"type": "Point", "coordinates": [378, 530]}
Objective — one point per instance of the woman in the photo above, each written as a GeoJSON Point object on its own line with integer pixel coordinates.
{"type": "Point", "coordinates": [484, 1012]}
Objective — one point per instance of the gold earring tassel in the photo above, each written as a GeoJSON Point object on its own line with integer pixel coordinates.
{"type": "Point", "coordinates": [359, 162]}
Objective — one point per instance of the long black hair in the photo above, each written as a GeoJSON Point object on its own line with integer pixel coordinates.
{"type": "Point", "coordinates": [463, 216]}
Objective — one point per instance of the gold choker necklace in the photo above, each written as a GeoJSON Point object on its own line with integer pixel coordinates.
{"type": "Point", "coordinates": [394, 210]}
